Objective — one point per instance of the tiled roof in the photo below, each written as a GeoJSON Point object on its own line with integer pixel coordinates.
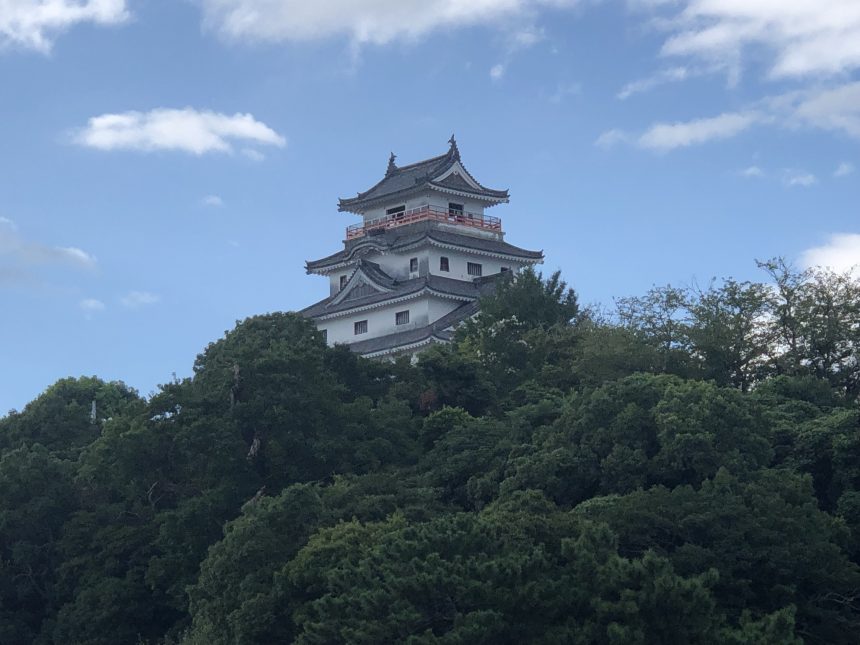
{"type": "Point", "coordinates": [395, 239]}
{"type": "Point", "coordinates": [401, 180]}
{"type": "Point", "coordinates": [468, 290]}
{"type": "Point", "coordinates": [436, 330]}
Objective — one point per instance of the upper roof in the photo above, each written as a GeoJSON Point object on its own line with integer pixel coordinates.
{"type": "Point", "coordinates": [445, 172]}
{"type": "Point", "coordinates": [401, 239]}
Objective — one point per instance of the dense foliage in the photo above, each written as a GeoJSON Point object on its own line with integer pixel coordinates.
{"type": "Point", "coordinates": [685, 469]}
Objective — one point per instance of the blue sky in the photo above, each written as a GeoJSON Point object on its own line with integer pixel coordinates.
{"type": "Point", "coordinates": [167, 167]}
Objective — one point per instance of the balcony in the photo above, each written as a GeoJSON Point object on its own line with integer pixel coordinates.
{"type": "Point", "coordinates": [425, 213]}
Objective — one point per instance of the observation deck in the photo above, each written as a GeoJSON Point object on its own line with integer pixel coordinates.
{"type": "Point", "coordinates": [425, 213]}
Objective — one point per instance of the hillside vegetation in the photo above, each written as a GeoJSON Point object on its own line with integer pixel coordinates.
{"type": "Point", "coordinates": [684, 469]}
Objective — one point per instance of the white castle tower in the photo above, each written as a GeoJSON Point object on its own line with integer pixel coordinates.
{"type": "Point", "coordinates": [415, 266]}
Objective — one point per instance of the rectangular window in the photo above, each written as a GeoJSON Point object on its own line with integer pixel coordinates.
{"type": "Point", "coordinates": [505, 269]}
{"type": "Point", "coordinates": [342, 281]}
{"type": "Point", "coordinates": [455, 209]}
{"type": "Point", "coordinates": [443, 264]}
{"type": "Point", "coordinates": [473, 268]}
{"type": "Point", "coordinates": [413, 265]}
{"type": "Point", "coordinates": [324, 333]}
{"type": "Point", "coordinates": [401, 317]}
{"type": "Point", "coordinates": [361, 327]}
{"type": "Point", "coordinates": [396, 211]}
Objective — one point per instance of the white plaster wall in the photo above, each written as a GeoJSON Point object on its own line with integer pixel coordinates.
{"type": "Point", "coordinates": [381, 322]}
{"type": "Point", "coordinates": [432, 198]}
{"type": "Point", "coordinates": [457, 263]}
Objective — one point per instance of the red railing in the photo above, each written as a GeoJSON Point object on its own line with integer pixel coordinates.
{"type": "Point", "coordinates": [423, 213]}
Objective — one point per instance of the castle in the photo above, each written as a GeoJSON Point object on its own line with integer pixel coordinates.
{"type": "Point", "coordinates": [418, 262]}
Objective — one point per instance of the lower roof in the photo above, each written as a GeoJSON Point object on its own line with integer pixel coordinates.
{"type": "Point", "coordinates": [440, 330]}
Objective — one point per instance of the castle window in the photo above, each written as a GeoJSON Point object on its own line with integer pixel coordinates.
{"type": "Point", "coordinates": [413, 265]}
{"type": "Point", "coordinates": [455, 209]}
{"type": "Point", "coordinates": [401, 317]}
{"type": "Point", "coordinates": [324, 333]}
{"type": "Point", "coordinates": [360, 327]}
{"type": "Point", "coordinates": [397, 211]}
{"type": "Point", "coordinates": [443, 264]}
{"type": "Point", "coordinates": [473, 268]}
{"type": "Point", "coordinates": [504, 269]}
{"type": "Point", "coordinates": [343, 281]}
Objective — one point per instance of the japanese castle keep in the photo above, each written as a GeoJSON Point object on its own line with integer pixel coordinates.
{"type": "Point", "coordinates": [416, 264]}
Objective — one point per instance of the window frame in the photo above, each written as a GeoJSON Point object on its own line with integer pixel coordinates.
{"type": "Point", "coordinates": [474, 269]}
{"type": "Point", "coordinates": [401, 317]}
{"type": "Point", "coordinates": [413, 262]}
{"type": "Point", "coordinates": [444, 264]}
{"type": "Point", "coordinates": [357, 330]}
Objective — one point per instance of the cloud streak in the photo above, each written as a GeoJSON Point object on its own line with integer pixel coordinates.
{"type": "Point", "coordinates": [186, 130]}
{"type": "Point", "coordinates": [367, 22]}
{"type": "Point", "coordinates": [800, 38]}
{"type": "Point", "coordinates": [22, 259]}
{"type": "Point", "coordinates": [137, 299]}
{"type": "Point", "coordinates": [668, 136]}
{"type": "Point", "coordinates": [34, 24]}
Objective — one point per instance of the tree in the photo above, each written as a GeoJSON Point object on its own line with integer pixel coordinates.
{"type": "Point", "coordinates": [730, 333]}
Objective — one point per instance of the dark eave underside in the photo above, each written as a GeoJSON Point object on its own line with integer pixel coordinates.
{"type": "Point", "coordinates": [396, 239]}
{"type": "Point", "coordinates": [415, 336]}
{"type": "Point", "coordinates": [435, 284]}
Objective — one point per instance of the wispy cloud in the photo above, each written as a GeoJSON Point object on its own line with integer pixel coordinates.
{"type": "Point", "coordinates": [34, 24]}
{"type": "Point", "coordinates": [671, 75]}
{"type": "Point", "coordinates": [8, 223]}
{"type": "Point", "coordinates": [137, 299]}
{"type": "Point", "coordinates": [840, 253]}
{"type": "Point", "coordinates": [91, 305]}
{"type": "Point", "coordinates": [752, 172]}
{"type": "Point", "coordinates": [833, 108]}
{"type": "Point", "coordinates": [367, 22]}
{"type": "Point", "coordinates": [186, 130]}
{"type": "Point", "coordinates": [844, 169]}
{"type": "Point", "coordinates": [798, 38]}
{"type": "Point", "coordinates": [22, 259]}
{"type": "Point", "coordinates": [799, 178]}
{"type": "Point", "coordinates": [497, 72]}
{"type": "Point", "coordinates": [612, 138]}
{"type": "Point", "coordinates": [668, 136]}
{"type": "Point", "coordinates": [213, 200]}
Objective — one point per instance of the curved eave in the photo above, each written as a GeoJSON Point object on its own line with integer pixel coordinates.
{"type": "Point", "coordinates": [360, 206]}
{"type": "Point", "coordinates": [358, 308]}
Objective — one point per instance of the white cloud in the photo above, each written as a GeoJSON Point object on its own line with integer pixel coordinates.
{"type": "Point", "coordinates": [213, 200]}
{"type": "Point", "coordinates": [253, 155]}
{"type": "Point", "coordinates": [667, 136]}
{"type": "Point", "coordinates": [8, 223]}
{"type": "Point", "coordinates": [841, 253]}
{"type": "Point", "coordinates": [136, 299]}
{"type": "Point", "coordinates": [17, 251]}
{"type": "Point", "coordinates": [564, 90]}
{"type": "Point", "coordinates": [671, 75]}
{"type": "Point", "coordinates": [611, 138]}
{"type": "Point", "coordinates": [799, 178]}
{"type": "Point", "coordinates": [187, 130]}
{"type": "Point", "coordinates": [799, 38]}
{"type": "Point", "coordinates": [91, 305]}
{"type": "Point", "coordinates": [836, 108]}
{"type": "Point", "coordinates": [844, 169]}
{"type": "Point", "coordinates": [369, 21]}
{"type": "Point", "coordinates": [752, 172]}
{"type": "Point", "coordinates": [33, 24]}
{"type": "Point", "coordinates": [497, 72]}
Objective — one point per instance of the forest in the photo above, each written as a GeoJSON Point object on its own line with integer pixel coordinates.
{"type": "Point", "coordinates": [683, 467]}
